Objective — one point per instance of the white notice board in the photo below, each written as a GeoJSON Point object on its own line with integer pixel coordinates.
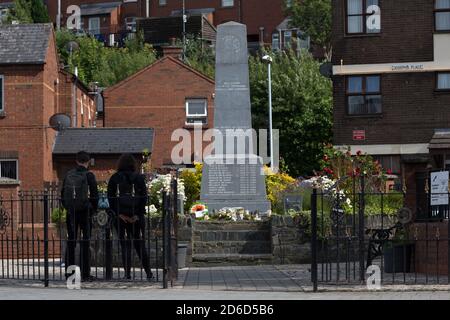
{"type": "Point", "coordinates": [439, 188]}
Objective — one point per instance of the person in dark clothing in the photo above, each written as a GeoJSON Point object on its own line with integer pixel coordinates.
{"type": "Point", "coordinates": [79, 196]}
{"type": "Point", "coordinates": [127, 195]}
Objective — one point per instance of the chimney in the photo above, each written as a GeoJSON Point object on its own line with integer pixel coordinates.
{"type": "Point", "coordinates": [172, 50]}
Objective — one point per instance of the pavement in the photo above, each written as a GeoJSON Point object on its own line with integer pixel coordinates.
{"type": "Point", "coordinates": [32, 293]}
{"type": "Point", "coordinates": [264, 282]}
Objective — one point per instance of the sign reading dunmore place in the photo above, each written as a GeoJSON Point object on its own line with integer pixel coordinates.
{"type": "Point", "coordinates": [439, 188]}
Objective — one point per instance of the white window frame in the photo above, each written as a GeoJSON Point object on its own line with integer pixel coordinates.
{"type": "Point", "coordinates": [130, 22]}
{"type": "Point", "coordinates": [17, 169]}
{"type": "Point", "coordinates": [287, 44]}
{"type": "Point", "coordinates": [196, 116]}
{"type": "Point", "coordinates": [277, 35]}
{"type": "Point", "coordinates": [437, 80]}
{"type": "Point", "coordinates": [225, 3]}
{"type": "Point", "coordinates": [90, 30]}
{"type": "Point", "coordinates": [2, 93]}
{"type": "Point", "coordinates": [162, 2]}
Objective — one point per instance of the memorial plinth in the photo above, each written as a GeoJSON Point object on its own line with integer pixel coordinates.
{"type": "Point", "coordinates": [233, 176]}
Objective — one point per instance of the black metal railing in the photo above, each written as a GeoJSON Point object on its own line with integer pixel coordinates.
{"type": "Point", "coordinates": [39, 240]}
{"type": "Point", "coordinates": [385, 231]}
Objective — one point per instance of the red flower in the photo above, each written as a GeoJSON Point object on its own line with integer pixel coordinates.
{"type": "Point", "coordinates": [325, 158]}
{"type": "Point", "coordinates": [389, 171]}
{"type": "Point", "coordinates": [328, 171]}
{"type": "Point", "coordinates": [358, 153]}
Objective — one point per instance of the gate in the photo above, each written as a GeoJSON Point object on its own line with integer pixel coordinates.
{"type": "Point", "coordinates": [35, 244]}
{"type": "Point", "coordinates": [370, 237]}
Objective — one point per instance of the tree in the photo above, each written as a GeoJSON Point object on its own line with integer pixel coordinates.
{"type": "Point", "coordinates": [39, 12]}
{"type": "Point", "coordinates": [302, 108]}
{"type": "Point", "coordinates": [313, 17]}
{"type": "Point", "coordinates": [200, 56]}
{"type": "Point", "coordinates": [29, 11]}
{"type": "Point", "coordinates": [21, 11]}
{"type": "Point", "coordinates": [97, 63]}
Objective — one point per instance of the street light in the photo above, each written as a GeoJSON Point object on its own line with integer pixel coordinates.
{"type": "Point", "coordinates": [268, 59]}
{"type": "Point", "coordinates": [184, 30]}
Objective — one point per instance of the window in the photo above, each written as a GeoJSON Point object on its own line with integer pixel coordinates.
{"type": "Point", "coordinates": [196, 111]}
{"type": "Point", "coordinates": [287, 39]}
{"type": "Point", "coordinates": [363, 95]}
{"type": "Point", "coordinates": [227, 3]}
{"type": "Point", "coordinates": [275, 41]}
{"type": "Point", "coordinates": [3, 15]}
{"type": "Point", "coordinates": [390, 163]}
{"type": "Point", "coordinates": [130, 23]}
{"type": "Point", "coordinates": [358, 18]}
{"type": "Point", "coordinates": [2, 94]}
{"type": "Point", "coordinates": [288, 3]}
{"type": "Point", "coordinates": [443, 81]}
{"type": "Point", "coordinates": [94, 25]}
{"type": "Point", "coordinates": [9, 169]}
{"type": "Point", "coordinates": [442, 15]}
{"type": "Point", "coordinates": [162, 2]}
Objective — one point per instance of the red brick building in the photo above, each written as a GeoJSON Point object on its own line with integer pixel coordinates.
{"type": "Point", "coordinates": [392, 97]}
{"type": "Point", "coordinates": [265, 19]}
{"type": "Point", "coordinates": [161, 96]}
{"type": "Point", "coordinates": [32, 89]}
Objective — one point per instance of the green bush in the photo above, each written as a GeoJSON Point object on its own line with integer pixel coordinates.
{"type": "Point", "coordinates": [58, 215]}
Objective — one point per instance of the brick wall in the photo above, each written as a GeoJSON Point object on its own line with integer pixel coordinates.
{"type": "Point", "coordinates": [406, 34]}
{"type": "Point", "coordinates": [21, 130]}
{"type": "Point", "coordinates": [411, 107]}
{"type": "Point", "coordinates": [155, 98]}
{"type": "Point", "coordinates": [431, 256]}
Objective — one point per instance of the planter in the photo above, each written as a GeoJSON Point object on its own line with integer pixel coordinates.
{"type": "Point", "coordinates": [181, 257]}
{"type": "Point", "coordinates": [398, 258]}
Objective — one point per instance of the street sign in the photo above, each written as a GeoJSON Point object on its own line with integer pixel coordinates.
{"type": "Point", "coordinates": [359, 135]}
{"type": "Point", "coordinates": [439, 188]}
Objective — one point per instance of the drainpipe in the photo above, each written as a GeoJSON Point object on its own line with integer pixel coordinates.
{"type": "Point", "coordinates": [147, 9]}
{"type": "Point", "coordinates": [58, 16]}
{"type": "Point", "coordinates": [74, 102]}
{"type": "Point", "coordinates": [240, 11]}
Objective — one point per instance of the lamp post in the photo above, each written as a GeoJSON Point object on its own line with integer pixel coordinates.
{"type": "Point", "coordinates": [268, 59]}
{"type": "Point", "coordinates": [184, 30]}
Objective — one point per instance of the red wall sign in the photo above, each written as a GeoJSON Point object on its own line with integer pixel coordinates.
{"type": "Point", "coordinates": [359, 135]}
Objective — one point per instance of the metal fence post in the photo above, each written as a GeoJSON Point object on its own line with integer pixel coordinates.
{"type": "Point", "coordinates": [361, 229]}
{"type": "Point", "coordinates": [314, 239]}
{"type": "Point", "coordinates": [46, 221]}
{"type": "Point", "coordinates": [166, 244]}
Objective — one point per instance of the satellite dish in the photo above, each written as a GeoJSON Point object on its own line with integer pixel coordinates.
{"type": "Point", "coordinates": [326, 69]}
{"type": "Point", "coordinates": [59, 121]}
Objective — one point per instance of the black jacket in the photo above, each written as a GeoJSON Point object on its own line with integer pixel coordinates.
{"type": "Point", "coordinates": [139, 187]}
{"type": "Point", "coordinates": [93, 191]}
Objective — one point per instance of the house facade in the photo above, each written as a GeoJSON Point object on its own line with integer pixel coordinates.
{"type": "Point", "coordinates": [265, 19]}
{"type": "Point", "coordinates": [391, 75]}
{"type": "Point", "coordinates": [166, 96]}
{"type": "Point", "coordinates": [32, 90]}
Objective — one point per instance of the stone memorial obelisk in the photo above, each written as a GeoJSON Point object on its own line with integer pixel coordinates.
{"type": "Point", "coordinates": [233, 174]}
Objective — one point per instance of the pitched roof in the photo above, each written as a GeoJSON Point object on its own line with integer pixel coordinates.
{"type": "Point", "coordinates": [162, 60]}
{"type": "Point", "coordinates": [24, 43]}
{"type": "Point", "coordinates": [103, 140]}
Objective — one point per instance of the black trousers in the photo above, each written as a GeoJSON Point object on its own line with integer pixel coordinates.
{"type": "Point", "coordinates": [133, 234]}
{"type": "Point", "coordinates": [77, 222]}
